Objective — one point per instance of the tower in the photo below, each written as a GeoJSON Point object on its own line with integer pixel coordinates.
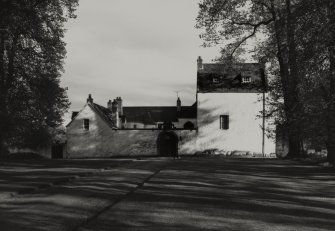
{"type": "Point", "coordinates": [229, 107]}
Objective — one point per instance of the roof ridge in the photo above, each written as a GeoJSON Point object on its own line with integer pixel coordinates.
{"type": "Point", "coordinates": [101, 106]}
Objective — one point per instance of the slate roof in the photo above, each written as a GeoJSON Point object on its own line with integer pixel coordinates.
{"type": "Point", "coordinates": [105, 113]}
{"type": "Point", "coordinates": [152, 115]}
{"type": "Point", "coordinates": [74, 114]}
{"type": "Point", "coordinates": [229, 77]}
{"type": "Point", "coordinates": [146, 115]}
{"type": "Point", "coordinates": [188, 111]}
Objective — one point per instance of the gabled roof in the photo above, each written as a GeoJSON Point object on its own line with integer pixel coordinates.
{"type": "Point", "coordinates": [146, 115]}
{"type": "Point", "coordinates": [103, 112]}
{"type": "Point", "coordinates": [218, 77]}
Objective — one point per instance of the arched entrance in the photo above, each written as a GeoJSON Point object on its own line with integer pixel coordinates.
{"type": "Point", "coordinates": [167, 144]}
{"type": "Point", "coordinates": [189, 125]}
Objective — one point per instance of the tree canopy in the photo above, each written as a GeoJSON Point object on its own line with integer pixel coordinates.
{"type": "Point", "coordinates": [298, 46]}
{"type": "Point", "coordinates": [32, 53]}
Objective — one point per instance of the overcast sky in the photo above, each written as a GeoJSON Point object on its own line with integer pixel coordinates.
{"type": "Point", "coordinates": [141, 50]}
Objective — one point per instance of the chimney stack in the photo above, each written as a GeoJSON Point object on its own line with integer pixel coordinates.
{"type": "Point", "coordinates": [115, 113]}
{"type": "Point", "coordinates": [109, 104]}
{"type": "Point", "coordinates": [119, 104]}
{"type": "Point", "coordinates": [89, 99]}
{"type": "Point", "coordinates": [114, 106]}
{"type": "Point", "coordinates": [199, 62]}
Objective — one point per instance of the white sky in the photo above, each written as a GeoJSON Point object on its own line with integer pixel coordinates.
{"type": "Point", "coordinates": [141, 50]}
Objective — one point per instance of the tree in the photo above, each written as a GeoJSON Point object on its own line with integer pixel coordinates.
{"type": "Point", "coordinates": [31, 61]}
{"type": "Point", "coordinates": [317, 42]}
{"type": "Point", "coordinates": [299, 46]}
{"type": "Point", "coordinates": [331, 79]}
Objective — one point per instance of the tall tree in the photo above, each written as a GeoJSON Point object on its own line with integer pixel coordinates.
{"type": "Point", "coordinates": [331, 96]}
{"type": "Point", "coordinates": [31, 61]}
{"type": "Point", "coordinates": [317, 42]}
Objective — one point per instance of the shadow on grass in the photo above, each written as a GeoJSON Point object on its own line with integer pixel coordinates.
{"type": "Point", "coordinates": [228, 195]}
{"type": "Point", "coordinates": [65, 206]}
{"type": "Point", "coordinates": [189, 194]}
{"type": "Point", "coordinates": [20, 175]}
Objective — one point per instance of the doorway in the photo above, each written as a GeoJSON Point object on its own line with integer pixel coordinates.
{"type": "Point", "coordinates": [57, 151]}
{"type": "Point", "coordinates": [167, 144]}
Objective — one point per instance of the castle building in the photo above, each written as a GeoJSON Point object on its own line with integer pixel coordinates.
{"type": "Point", "coordinates": [225, 117]}
{"type": "Point", "coordinates": [231, 99]}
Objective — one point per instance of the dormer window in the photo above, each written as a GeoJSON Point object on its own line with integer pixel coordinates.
{"type": "Point", "coordinates": [246, 79]}
{"type": "Point", "coordinates": [216, 80]}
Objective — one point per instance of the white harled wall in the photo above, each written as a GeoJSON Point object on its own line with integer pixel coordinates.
{"type": "Point", "coordinates": [244, 133]}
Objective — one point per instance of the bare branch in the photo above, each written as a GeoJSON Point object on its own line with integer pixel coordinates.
{"type": "Point", "coordinates": [255, 27]}
{"type": "Point", "coordinates": [253, 24]}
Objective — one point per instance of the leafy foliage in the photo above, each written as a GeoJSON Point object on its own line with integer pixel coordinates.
{"type": "Point", "coordinates": [297, 46]}
{"type": "Point", "coordinates": [31, 62]}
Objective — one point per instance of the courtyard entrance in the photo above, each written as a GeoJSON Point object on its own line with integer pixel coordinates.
{"type": "Point", "coordinates": [167, 144]}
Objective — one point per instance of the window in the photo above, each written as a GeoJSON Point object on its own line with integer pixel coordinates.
{"type": "Point", "coordinates": [224, 122]}
{"type": "Point", "coordinates": [135, 126]}
{"type": "Point", "coordinates": [86, 124]}
{"type": "Point", "coordinates": [216, 80]}
{"type": "Point", "coordinates": [246, 79]}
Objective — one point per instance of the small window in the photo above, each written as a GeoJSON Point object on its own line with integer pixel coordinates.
{"type": "Point", "coordinates": [86, 124]}
{"type": "Point", "coordinates": [135, 126]}
{"type": "Point", "coordinates": [224, 122]}
{"type": "Point", "coordinates": [216, 80]}
{"type": "Point", "coordinates": [246, 79]}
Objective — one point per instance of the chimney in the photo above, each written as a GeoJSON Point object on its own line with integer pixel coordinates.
{"type": "Point", "coordinates": [119, 104]}
{"type": "Point", "coordinates": [115, 113]}
{"type": "Point", "coordinates": [114, 106]}
{"type": "Point", "coordinates": [109, 104]}
{"type": "Point", "coordinates": [178, 105]}
{"type": "Point", "coordinates": [199, 62]}
{"type": "Point", "coordinates": [89, 99]}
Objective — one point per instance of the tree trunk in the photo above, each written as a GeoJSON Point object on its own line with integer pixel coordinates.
{"type": "Point", "coordinates": [331, 103]}
{"type": "Point", "coordinates": [286, 55]}
{"type": "Point", "coordinates": [295, 138]}
{"type": "Point", "coordinates": [331, 109]}
{"type": "Point", "coordinates": [331, 148]}
{"type": "Point", "coordinates": [3, 149]}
